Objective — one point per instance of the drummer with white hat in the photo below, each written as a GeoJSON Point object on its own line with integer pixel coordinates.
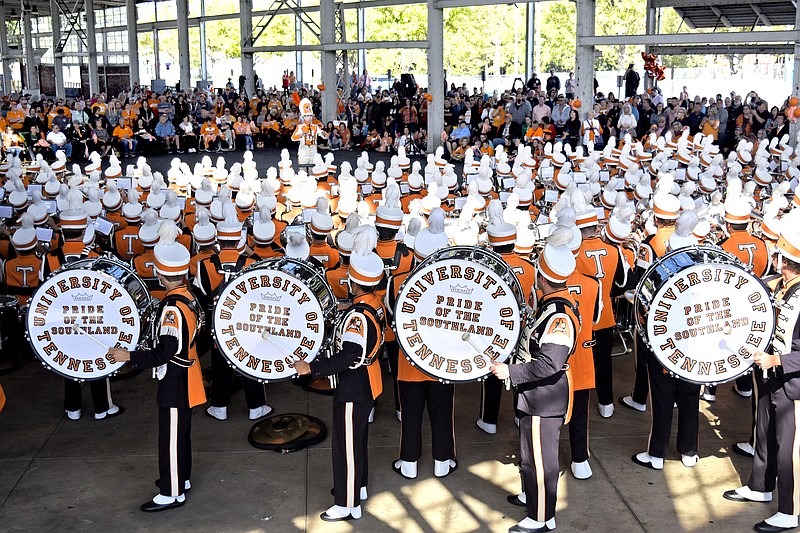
{"type": "Point", "coordinates": [542, 386]}
{"type": "Point", "coordinates": [212, 273]}
{"type": "Point", "coordinates": [359, 373]}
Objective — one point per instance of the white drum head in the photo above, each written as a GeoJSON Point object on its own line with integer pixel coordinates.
{"type": "Point", "coordinates": [74, 301]}
{"type": "Point", "coordinates": [455, 317]}
{"type": "Point", "coordinates": [706, 321]}
{"type": "Point", "coordinates": [265, 318]}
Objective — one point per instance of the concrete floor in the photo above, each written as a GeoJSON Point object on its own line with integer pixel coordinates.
{"type": "Point", "coordinates": [87, 475]}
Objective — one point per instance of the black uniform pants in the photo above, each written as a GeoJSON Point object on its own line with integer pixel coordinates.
{"type": "Point", "coordinates": [777, 446]}
{"type": "Point", "coordinates": [603, 372]}
{"type": "Point", "coordinates": [438, 397]}
{"type": "Point", "coordinates": [665, 392]}
{"type": "Point", "coordinates": [174, 449]}
{"type": "Point", "coordinates": [349, 451]}
{"type": "Point", "coordinates": [392, 354]}
{"type": "Point", "coordinates": [538, 442]}
{"type": "Point", "coordinates": [222, 384]}
{"type": "Point", "coordinates": [579, 426]}
{"type": "Point", "coordinates": [641, 383]}
{"type": "Point", "coordinates": [491, 392]}
{"type": "Point", "coordinates": [101, 395]}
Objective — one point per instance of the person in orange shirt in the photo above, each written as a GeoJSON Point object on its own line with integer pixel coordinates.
{"type": "Point", "coordinates": [100, 104]}
{"type": "Point", "coordinates": [243, 131]}
{"type": "Point", "coordinates": [16, 117]}
{"type": "Point", "coordinates": [209, 135]}
{"type": "Point", "coordinates": [125, 140]}
{"type": "Point", "coordinates": [337, 278]}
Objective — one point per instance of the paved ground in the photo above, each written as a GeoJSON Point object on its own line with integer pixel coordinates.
{"type": "Point", "coordinates": [62, 475]}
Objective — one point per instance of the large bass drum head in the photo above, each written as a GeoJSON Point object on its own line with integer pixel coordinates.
{"type": "Point", "coordinates": [458, 312]}
{"type": "Point", "coordinates": [704, 314]}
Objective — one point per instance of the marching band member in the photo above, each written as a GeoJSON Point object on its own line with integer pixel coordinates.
{"type": "Point", "coordinates": [177, 367]}
{"type": "Point", "coordinates": [21, 272]}
{"type": "Point", "coordinates": [338, 277]}
{"type": "Point", "coordinates": [321, 226]}
{"type": "Point", "coordinates": [665, 210]}
{"type": "Point", "coordinates": [126, 241]}
{"type": "Point", "coordinates": [306, 134]}
{"type": "Point", "coordinates": [604, 262]}
{"type": "Point", "coordinates": [145, 263]}
{"type": "Point", "coordinates": [205, 240]}
{"type": "Point", "coordinates": [502, 237]}
{"type": "Point", "coordinates": [667, 391]}
{"type": "Point", "coordinates": [359, 342]}
{"type": "Point", "coordinates": [418, 391]}
{"type": "Point", "coordinates": [778, 390]}
{"type": "Point", "coordinates": [263, 239]}
{"type": "Point", "coordinates": [212, 273]}
{"type": "Point", "coordinates": [542, 385]}
{"type": "Point", "coordinates": [73, 228]}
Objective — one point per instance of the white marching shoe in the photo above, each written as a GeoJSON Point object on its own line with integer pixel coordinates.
{"type": "Point", "coordinates": [220, 413]}
{"type": "Point", "coordinates": [336, 513]}
{"type": "Point", "coordinates": [371, 418]}
{"type": "Point", "coordinates": [689, 460]}
{"type": "Point", "coordinates": [627, 401]}
{"type": "Point", "coordinates": [444, 468]}
{"type": "Point", "coordinates": [645, 459]}
{"type": "Point", "coordinates": [74, 415]}
{"type": "Point", "coordinates": [491, 429]}
{"type": "Point", "coordinates": [606, 411]}
{"type": "Point", "coordinates": [581, 470]}
{"type": "Point", "coordinates": [260, 412]}
{"type": "Point", "coordinates": [407, 469]}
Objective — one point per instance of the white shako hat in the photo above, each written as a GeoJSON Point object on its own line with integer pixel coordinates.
{"type": "Point", "coordinates": [366, 267]}
{"type": "Point", "coordinates": [112, 200]}
{"type": "Point", "coordinates": [666, 206]}
{"type": "Point", "coordinates": [499, 231]}
{"type": "Point", "coordinates": [682, 236]}
{"type": "Point", "coordinates": [37, 209]}
{"type": "Point", "coordinates": [172, 258]}
{"type": "Point", "coordinates": [737, 209]}
{"type": "Point", "coordinates": [205, 194]}
{"type": "Point", "coordinates": [25, 237]}
{"type": "Point", "coordinates": [171, 210]}
{"type": "Point", "coordinates": [264, 227]}
{"type": "Point", "coordinates": [432, 238]}
{"type": "Point", "coordinates": [344, 239]}
{"type": "Point", "coordinates": [618, 228]}
{"type": "Point", "coordinates": [148, 233]}
{"type": "Point", "coordinates": [132, 210]}
{"type": "Point", "coordinates": [75, 217]}
{"type": "Point", "coordinates": [789, 241]}
{"type": "Point", "coordinates": [296, 243]}
{"type": "Point", "coordinates": [204, 231]}
{"type": "Point", "coordinates": [93, 203]}
{"type": "Point", "coordinates": [410, 237]}
{"type": "Point", "coordinates": [230, 229]}
{"type": "Point", "coordinates": [556, 263]}
{"type": "Point", "coordinates": [390, 215]}
{"type": "Point", "coordinates": [321, 221]}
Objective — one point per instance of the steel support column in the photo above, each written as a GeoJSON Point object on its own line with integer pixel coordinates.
{"type": "Point", "coordinates": [183, 44]}
{"type": "Point", "coordinates": [91, 44]}
{"type": "Point", "coordinates": [435, 75]}
{"type": "Point", "coordinates": [246, 26]}
{"type": "Point", "coordinates": [651, 22]}
{"type": "Point", "coordinates": [58, 61]}
{"type": "Point", "coordinates": [31, 77]}
{"type": "Point", "coordinates": [4, 51]}
{"type": "Point", "coordinates": [203, 43]}
{"type": "Point", "coordinates": [584, 60]}
{"type": "Point", "coordinates": [530, 40]}
{"type": "Point", "coordinates": [133, 42]}
{"type": "Point", "coordinates": [298, 56]}
{"type": "Point", "coordinates": [361, 23]}
{"type": "Point", "coordinates": [327, 23]}
{"type": "Point", "coordinates": [794, 126]}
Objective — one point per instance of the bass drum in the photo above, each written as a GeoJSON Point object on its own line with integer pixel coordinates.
{"type": "Point", "coordinates": [703, 314]}
{"type": "Point", "coordinates": [84, 308]}
{"type": "Point", "coordinates": [458, 312]}
{"type": "Point", "coordinates": [271, 313]}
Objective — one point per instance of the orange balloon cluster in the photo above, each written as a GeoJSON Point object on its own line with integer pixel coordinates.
{"type": "Point", "coordinates": [321, 86]}
{"type": "Point", "coordinates": [428, 97]}
{"type": "Point", "coordinates": [576, 104]}
{"type": "Point", "coordinates": [653, 69]}
{"type": "Point", "coordinates": [793, 102]}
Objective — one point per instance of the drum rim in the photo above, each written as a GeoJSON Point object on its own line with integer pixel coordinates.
{"type": "Point", "coordinates": [143, 313]}
{"type": "Point", "coordinates": [519, 295]}
{"type": "Point", "coordinates": [267, 264]}
{"type": "Point", "coordinates": [637, 305]}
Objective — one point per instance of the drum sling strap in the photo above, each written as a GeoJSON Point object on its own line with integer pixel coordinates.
{"type": "Point", "coordinates": [193, 306]}
{"type": "Point", "coordinates": [226, 271]}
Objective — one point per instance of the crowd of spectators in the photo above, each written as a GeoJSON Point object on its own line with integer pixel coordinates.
{"type": "Point", "coordinates": [370, 118]}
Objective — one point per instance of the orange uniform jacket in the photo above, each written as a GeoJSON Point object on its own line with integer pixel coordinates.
{"type": "Point", "coordinates": [586, 293]}
{"type": "Point", "coordinates": [57, 258]}
{"type": "Point", "coordinates": [145, 266]}
{"type": "Point", "coordinates": [750, 250]}
{"type": "Point", "coordinates": [22, 276]}
{"type": "Point", "coordinates": [337, 279]}
{"type": "Point", "coordinates": [127, 243]}
{"type": "Point", "coordinates": [525, 272]}
{"type": "Point", "coordinates": [601, 261]}
{"type": "Point", "coordinates": [325, 254]}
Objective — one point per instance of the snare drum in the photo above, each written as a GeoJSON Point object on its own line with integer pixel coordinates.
{"type": "Point", "coordinates": [459, 312]}
{"type": "Point", "coordinates": [703, 314]}
{"type": "Point", "coordinates": [271, 313]}
{"type": "Point", "coordinates": [82, 309]}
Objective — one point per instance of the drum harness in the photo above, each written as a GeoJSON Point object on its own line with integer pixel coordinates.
{"type": "Point", "coordinates": [378, 321]}
{"type": "Point", "coordinates": [523, 354]}
{"type": "Point", "coordinates": [197, 309]}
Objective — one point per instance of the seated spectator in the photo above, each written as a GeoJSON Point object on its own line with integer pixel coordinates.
{"type": "Point", "coordinates": [125, 140]}
{"type": "Point", "coordinates": [165, 132]}
{"type": "Point", "coordinates": [36, 142]}
{"type": "Point", "coordinates": [335, 140]}
{"type": "Point", "coordinates": [458, 150]}
{"type": "Point", "coordinates": [79, 138]}
{"type": "Point", "coordinates": [188, 132]}
{"type": "Point", "coordinates": [371, 141]}
{"type": "Point", "coordinates": [504, 133]}
{"type": "Point", "coordinates": [58, 141]}
{"type": "Point", "coordinates": [346, 136]}
{"type": "Point", "coordinates": [61, 120]}
{"type": "Point", "coordinates": [385, 144]}
{"type": "Point", "coordinates": [146, 141]}
{"type": "Point", "coordinates": [244, 133]}
{"type": "Point", "coordinates": [209, 136]}
{"type": "Point", "coordinates": [12, 140]}
{"type": "Point", "coordinates": [227, 137]}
